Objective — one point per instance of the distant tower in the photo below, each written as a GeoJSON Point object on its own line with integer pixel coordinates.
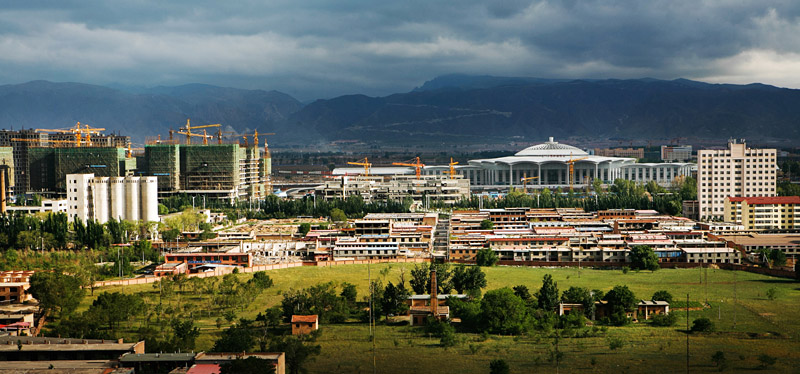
{"type": "Point", "coordinates": [434, 294]}
{"type": "Point", "coordinates": [267, 170]}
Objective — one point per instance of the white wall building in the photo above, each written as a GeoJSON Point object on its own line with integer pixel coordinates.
{"type": "Point", "coordinates": [104, 198]}
{"type": "Point", "coordinates": [734, 172]}
{"type": "Point", "coordinates": [550, 161]}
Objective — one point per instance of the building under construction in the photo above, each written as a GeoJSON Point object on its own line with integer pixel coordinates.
{"type": "Point", "coordinates": [49, 166]}
{"type": "Point", "coordinates": [220, 171]}
{"type": "Point", "coordinates": [41, 143]}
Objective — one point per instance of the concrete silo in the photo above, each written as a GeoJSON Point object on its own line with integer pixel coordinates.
{"type": "Point", "coordinates": [149, 198]}
{"type": "Point", "coordinates": [132, 208]}
{"type": "Point", "coordinates": [117, 197]}
{"type": "Point", "coordinates": [100, 192]}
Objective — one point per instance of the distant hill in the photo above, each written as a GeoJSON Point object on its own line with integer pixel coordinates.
{"type": "Point", "coordinates": [456, 107]}
{"type": "Point", "coordinates": [145, 112]}
{"type": "Point", "coordinates": [452, 108]}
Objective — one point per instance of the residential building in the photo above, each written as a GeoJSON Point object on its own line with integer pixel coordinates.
{"type": "Point", "coordinates": [620, 152]}
{"type": "Point", "coordinates": [14, 286]}
{"type": "Point", "coordinates": [194, 260]}
{"type": "Point", "coordinates": [304, 325]}
{"type": "Point", "coordinates": [48, 206]}
{"type": "Point", "coordinates": [57, 349]}
{"type": "Point", "coordinates": [673, 153]}
{"type": "Point", "coordinates": [764, 213]}
{"type": "Point", "coordinates": [733, 172]}
{"type": "Point", "coordinates": [645, 309]}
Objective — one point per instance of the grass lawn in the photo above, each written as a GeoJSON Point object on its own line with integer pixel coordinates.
{"type": "Point", "coordinates": [761, 325]}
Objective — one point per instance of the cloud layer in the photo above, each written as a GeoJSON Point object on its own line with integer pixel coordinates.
{"type": "Point", "coordinates": [314, 49]}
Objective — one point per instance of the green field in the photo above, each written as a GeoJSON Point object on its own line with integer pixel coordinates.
{"type": "Point", "coordinates": [761, 325]}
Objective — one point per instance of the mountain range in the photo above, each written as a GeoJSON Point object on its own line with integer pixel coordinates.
{"type": "Point", "coordinates": [451, 108]}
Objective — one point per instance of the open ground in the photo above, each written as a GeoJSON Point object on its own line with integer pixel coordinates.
{"type": "Point", "coordinates": [748, 324]}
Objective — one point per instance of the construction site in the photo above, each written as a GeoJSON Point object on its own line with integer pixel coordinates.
{"type": "Point", "coordinates": [230, 167]}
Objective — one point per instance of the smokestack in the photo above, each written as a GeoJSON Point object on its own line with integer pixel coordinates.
{"type": "Point", "coordinates": [434, 294]}
{"type": "Point", "coordinates": [2, 190]}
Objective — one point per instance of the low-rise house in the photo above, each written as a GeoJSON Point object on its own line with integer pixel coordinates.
{"type": "Point", "coordinates": [304, 324]}
{"type": "Point", "coordinates": [170, 269]}
{"type": "Point", "coordinates": [647, 308]}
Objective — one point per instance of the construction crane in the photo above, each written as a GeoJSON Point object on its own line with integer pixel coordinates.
{"type": "Point", "coordinates": [452, 170]}
{"type": "Point", "coordinates": [220, 135]}
{"type": "Point", "coordinates": [189, 129]}
{"type": "Point", "coordinates": [571, 162]}
{"type": "Point", "coordinates": [416, 164]}
{"type": "Point", "coordinates": [82, 134]}
{"type": "Point", "coordinates": [255, 137]}
{"type": "Point", "coordinates": [524, 181]}
{"type": "Point", "coordinates": [365, 163]}
{"type": "Point", "coordinates": [190, 135]}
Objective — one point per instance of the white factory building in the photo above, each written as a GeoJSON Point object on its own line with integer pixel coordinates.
{"type": "Point", "coordinates": [550, 161]}
{"type": "Point", "coordinates": [103, 198]}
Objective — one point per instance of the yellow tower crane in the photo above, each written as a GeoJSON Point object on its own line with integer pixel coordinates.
{"type": "Point", "coordinates": [452, 170]}
{"type": "Point", "coordinates": [188, 131]}
{"type": "Point", "coordinates": [365, 163]}
{"type": "Point", "coordinates": [415, 163]}
{"type": "Point", "coordinates": [255, 137]}
{"type": "Point", "coordinates": [524, 181]}
{"type": "Point", "coordinates": [571, 162]}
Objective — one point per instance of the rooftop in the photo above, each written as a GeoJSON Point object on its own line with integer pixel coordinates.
{"type": "Point", "coordinates": [764, 200]}
{"type": "Point", "coordinates": [307, 319]}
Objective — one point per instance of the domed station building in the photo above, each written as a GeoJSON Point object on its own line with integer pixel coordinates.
{"type": "Point", "coordinates": [550, 162]}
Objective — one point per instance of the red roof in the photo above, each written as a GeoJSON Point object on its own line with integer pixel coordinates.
{"type": "Point", "coordinates": [760, 200]}
{"type": "Point", "coordinates": [548, 239]}
{"type": "Point", "coordinates": [308, 319]}
{"type": "Point", "coordinates": [204, 369]}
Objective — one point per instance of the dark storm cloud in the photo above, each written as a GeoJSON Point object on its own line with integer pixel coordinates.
{"type": "Point", "coordinates": [324, 48]}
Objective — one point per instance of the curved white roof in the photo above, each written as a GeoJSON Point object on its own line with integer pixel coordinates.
{"type": "Point", "coordinates": [552, 149]}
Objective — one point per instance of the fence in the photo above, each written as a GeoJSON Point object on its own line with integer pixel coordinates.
{"type": "Point", "coordinates": [228, 270]}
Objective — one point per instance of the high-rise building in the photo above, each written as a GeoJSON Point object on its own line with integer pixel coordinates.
{"type": "Point", "coordinates": [672, 153]}
{"type": "Point", "coordinates": [734, 172]}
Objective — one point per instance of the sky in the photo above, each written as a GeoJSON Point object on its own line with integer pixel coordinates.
{"type": "Point", "coordinates": [319, 49]}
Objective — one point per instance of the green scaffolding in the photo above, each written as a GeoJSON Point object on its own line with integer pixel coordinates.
{"type": "Point", "coordinates": [209, 167]}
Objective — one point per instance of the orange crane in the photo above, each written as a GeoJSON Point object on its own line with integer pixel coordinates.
{"type": "Point", "coordinates": [82, 134]}
{"type": "Point", "coordinates": [524, 181]}
{"type": "Point", "coordinates": [189, 129]}
{"type": "Point", "coordinates": [416, 164]}
{"type": "Point", "coordinates": [220, 135]}
{"type": "Point", "coordinates": [452, 170]}
{"type": "Point", "coordinates": [365, 163]}
{"type": "Point", "coordinates": [190, 135]}
{"type": "Point", "coordinates": [255, 137]}
{"type": "Point", "coordinates": [571, 163]}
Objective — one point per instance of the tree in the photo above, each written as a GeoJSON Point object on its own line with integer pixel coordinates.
{"type": "Point", "coordinates": [304, 228]}
{"type": "Point", "coordinates": [162, 209]}
{"type": "Point", "coordinates": [486, 257]}
{"type": "Point", "coordinates": [261, 280]}
{"type": "Point", "coordinates": [185, 334]}
{"type": "Point", "coordinates": [349, 293]}
{"type": "Point", "coordinates": [113, 308]}
{"type": "Point", "coordinates": [664, 320]}
{"type": "Point", "coordinates": [662, 296]}
{"type": "Point", "coordinates": [338, 216]}
{"type": "Point", "coordinates": [702, 324]}
{"type": "Point", "coordinates": [394, 300]}
{"type": "Point", "coordinates": [719, 360]}
{"type": "Point", "coordinates": [240, 337]}
{"type": "Point", "coordinates": [580, 295]}
{"type": "Point", "coordinates": [644, 258]}
{"type": "Point", "coordinates": [250, 365]}
{"type": "Point", "coordinates": [621, 301]}
{"type": "Point", "coordinates": [56, 292]}
{"type": "Point", "coordinates": [523, 292]}
{"type": "Point", "coordinates": [498, 366]}
{"type": "Point", "coordinates": [467, 279]}
{"type": "Point", "coordinates": [503, 312]}
{"type": "Point", "coordinates": [419, 279]}
{"type": "Point", "coordinates": [548, 295]}
{"type": "Point", "coordinates": [487, 225]}
{"type": "Point", "coordinates": [297, 353]}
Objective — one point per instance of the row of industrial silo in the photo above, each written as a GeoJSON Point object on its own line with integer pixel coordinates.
{"type": "Point", "coordinates": [130, 198]}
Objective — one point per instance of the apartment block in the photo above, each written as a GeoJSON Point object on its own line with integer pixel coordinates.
{"type": "Point", "coordinates": [764, 213]}
{"type": "Point", "coordinates": [733, 172]}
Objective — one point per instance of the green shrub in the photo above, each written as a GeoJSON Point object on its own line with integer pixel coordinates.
{"type": "Point", "coordinates": [664, 320]}
{"type": "Point", "coordinates": [702, 324]}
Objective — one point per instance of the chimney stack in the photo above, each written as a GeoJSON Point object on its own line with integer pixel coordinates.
{"type": "Point", "coordinates": [434, 294]}
{"type": "Point", "coordinates": [2, 189]}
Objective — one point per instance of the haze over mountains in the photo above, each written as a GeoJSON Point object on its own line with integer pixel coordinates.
{"type": "Point", "coordinates": [450, 108]}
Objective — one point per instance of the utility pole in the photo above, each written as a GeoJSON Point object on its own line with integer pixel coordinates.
{"type": "Point", "coordinates": [735, 299]}
{"type": "Point", "coordinates": [687, 333]}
